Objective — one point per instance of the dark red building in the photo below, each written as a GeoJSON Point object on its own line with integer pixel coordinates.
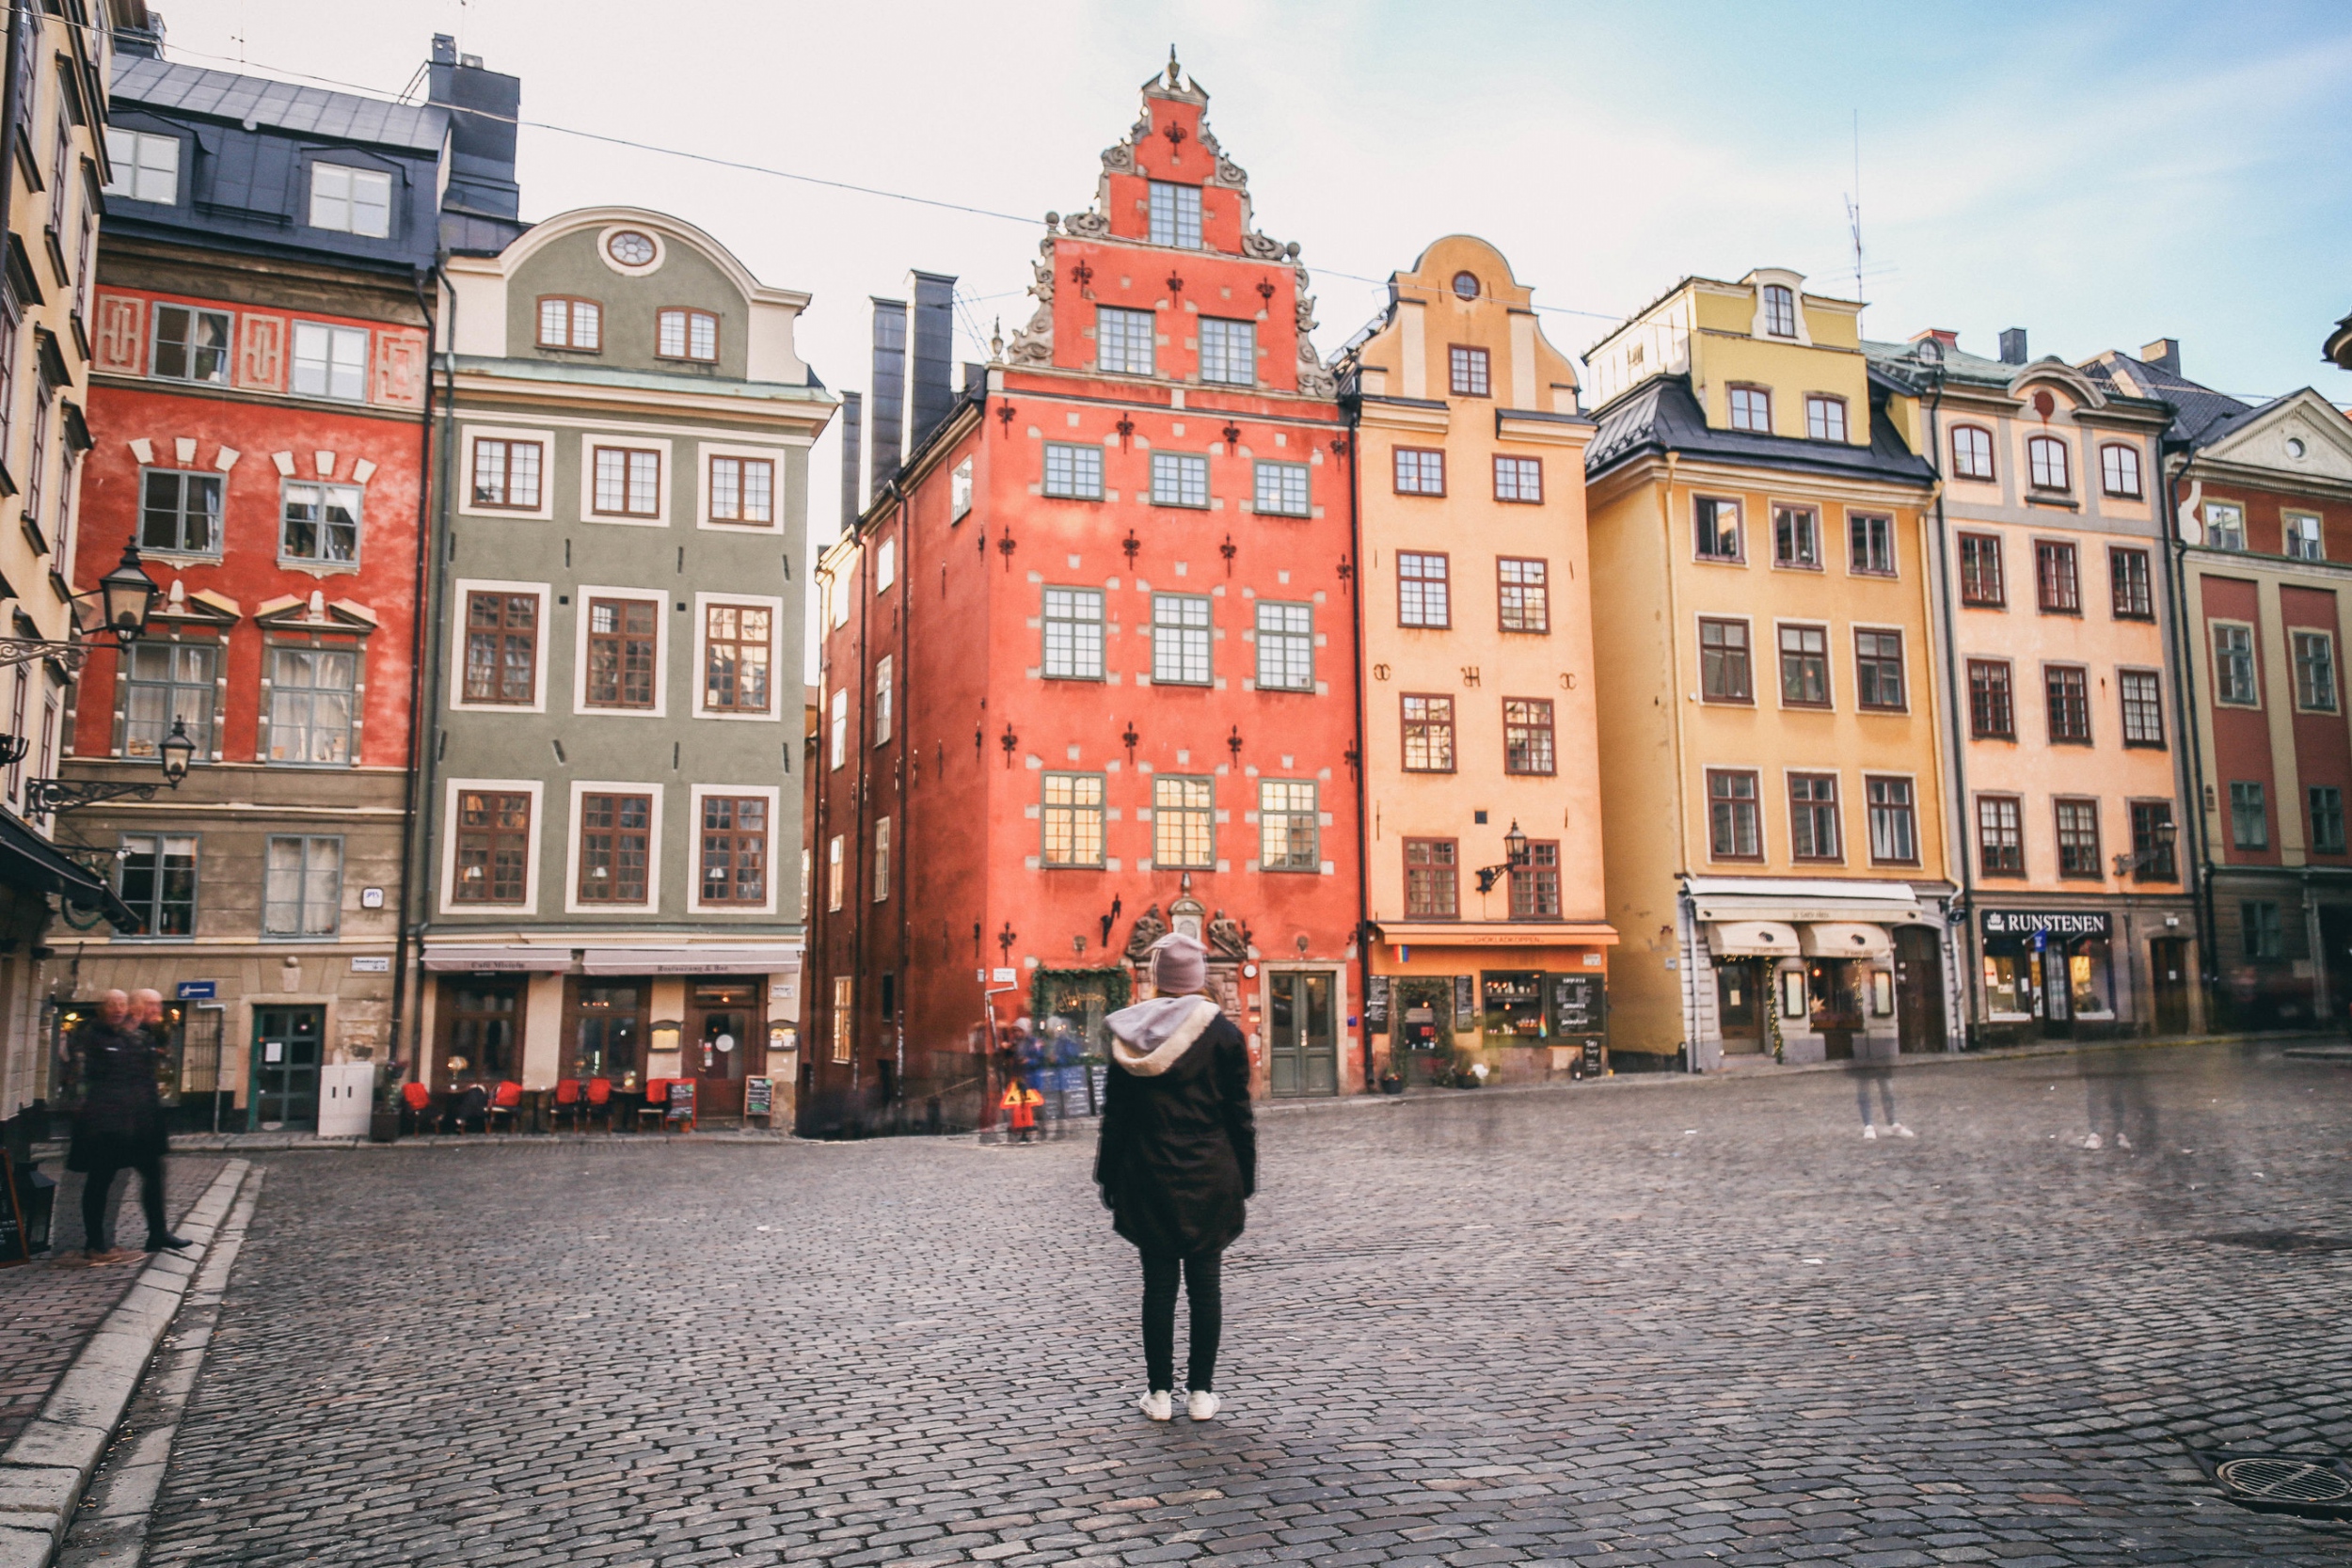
{"type": "Point", "coordinates": [1087, 659]}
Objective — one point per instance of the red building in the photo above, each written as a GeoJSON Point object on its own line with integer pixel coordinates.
{"type": "Point", "coordinates": [1087, 657]}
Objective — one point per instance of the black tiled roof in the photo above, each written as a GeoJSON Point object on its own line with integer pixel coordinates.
{"type": "Point", "coordinates": [1660, 416]}
{"type": "Point", "coordinates": [305, 111]}
{"type": "Point", "coordinates": [2199, 414]}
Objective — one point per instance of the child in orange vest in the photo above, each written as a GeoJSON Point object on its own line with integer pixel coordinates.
{"type": "Point", "coordinates": [1023, 1101]}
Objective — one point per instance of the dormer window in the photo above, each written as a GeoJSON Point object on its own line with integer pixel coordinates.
{"type": "Point", "coordinates": [351, 200]}
{"type": "Point", "coordinates": [146, 167]}
{"type": "Point", "coordinates": [1752, 409]}
{"type": "Point", "coordinates": [1468, 370]}
{"type": "Point", "coordinates": [566, 323]}
{"type": "Point", "coordinates": [2045, 459]}
{"type": "Point", "coordinates": [682, 333]}
{"type": "Point", "coordinates": [1176, 214]}
{"type": "Point", "coordinates": [1824, 416]}
{"type": "Point", "coordinates": [1780, 309]}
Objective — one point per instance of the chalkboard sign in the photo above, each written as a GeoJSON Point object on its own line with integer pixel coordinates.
{"type": "Point", "coordinates": [759, 1096]}
{"type": "Point", "coordinates": [1375, 1004]}
{"type": "Point", "coordinates": [681, 1100]}
{"type": "Point", "coordinates": [15, 1248]}
{"type": "Point", "coordinates": [1579, 1004]}
{"type": "Point", "coordinates": [1465, 1001]}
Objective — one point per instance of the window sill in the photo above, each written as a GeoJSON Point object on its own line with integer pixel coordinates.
{"type": "Point", "coordinates": [1798, 566]}
{"type": "Point", "coordinates": [1879, 708]}
{"type": "Point", "coordinates": [1984, 603]}
{"type": "Point", "coordinates": [1729, 701]}
{"type": "Point", "coordinates": [1911, 865]}
{"type": "Point", "coordinates": [1051, 496]}
{"type": "Point", "coordinates": [1872, 572]}
{"type": "Point", "coordinates": [2061, 501]}
{"type": "Point", "coordinates": [1718, 560]}
{"type": "Point", "coordinates": [2053, 610]}
{"type": "Point", "coordinates": [1179, 506]}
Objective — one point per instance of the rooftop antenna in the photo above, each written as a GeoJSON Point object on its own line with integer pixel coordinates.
{"type": "Point", "coordinates": [1853, 210]}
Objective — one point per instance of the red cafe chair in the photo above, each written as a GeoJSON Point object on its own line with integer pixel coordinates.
{"type": "Point", "coordinates": [420, 1103]}
{"type": "Point", "coordinates": [569, 1102]}
{"type": "Point", "coordinates": [507, 1102]}
{"type": "Point", "coordinates": [656, 1105]}
{"type": "Point", "coordinates": [599, 1103]}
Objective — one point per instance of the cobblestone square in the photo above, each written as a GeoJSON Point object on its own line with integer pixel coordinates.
{"type": "Point", "coordinates": [1636, 1323]}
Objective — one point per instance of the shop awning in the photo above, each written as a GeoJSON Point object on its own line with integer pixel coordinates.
{"type": "Point", "coordinates": [1833, 939]}
{"type": "Point", "coordinates": [513, 958]}
{"type": "Point", "coordinates": [30, 863]}
{"type": "Point", "coordinates": [1498, 933]}
{"type": "Point", "coordinates": [1751, 939]}
{"type": "Point", "coordinates": [717, 959]}
{"type": "Point", "coordinates": [1797, 901]}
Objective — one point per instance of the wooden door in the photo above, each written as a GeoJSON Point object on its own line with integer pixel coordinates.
{"type": "Point", "coordinates": [723, 1045]}
{"type": "Point", "coordinates": [1918, 988]}
{"type": "Point", "coordinates": [2167, 983]}
{"type": "Point", "coordinates": [1740, 1001]}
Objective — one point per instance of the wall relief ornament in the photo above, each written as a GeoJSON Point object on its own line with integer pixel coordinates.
{"type": "Point", "coordinates": [1148, 928]}
{"type": "Point", "coordinates": [1225, 938]}
{"type": "Point", "coordinates": [1258, 247]}
{"type": "Point", "coordinates": [1090, 226]}
{"type": "Point", "coordinates": [1033, 344]}
{"type": "Point", "coordinates": [1120, 158]}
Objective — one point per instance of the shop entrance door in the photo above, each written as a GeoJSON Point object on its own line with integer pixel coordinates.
{"type": "Point", "coordinates": [723, 1020]}
{"type": "Point", "coordinates": [1834, 987]}
{"type": "Point", "coordinates": [2335, 944]}
{"type": "Point", "coordinates": [1740, 1004]}
{"type": "Point", "coordinates": [1302, 1051]}
{"type": "Point", "coordinates": [285, 1068]}
{"type": "Point", "coordinates": [1918, 988]}
{"type": "Point", "coordinates": [2168, 981]}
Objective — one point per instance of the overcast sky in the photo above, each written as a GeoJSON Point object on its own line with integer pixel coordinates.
{"type": "Point", "coordinates": [2099, 174]}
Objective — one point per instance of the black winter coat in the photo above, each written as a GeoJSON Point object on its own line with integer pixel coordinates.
{"type": "Point", "coordinates": [121, 1120]}
{"type": "Point", "coordinates": [1177, 1151]}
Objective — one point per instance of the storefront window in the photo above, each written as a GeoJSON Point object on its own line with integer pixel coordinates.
{"type": "Point", "coordinates": [1515, 1004]}
{"type": "Point", "coordinates": [2009, 984]}
{"type": "Point", "coordinates": [2090, 980]}
{"type": "Point", "coordinates": [605, 1025]}
{"type": "Point", "coordinates": [1837, 1002]}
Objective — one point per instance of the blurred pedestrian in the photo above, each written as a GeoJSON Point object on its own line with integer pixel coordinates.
{"type": "Point", "coordinates": [1874, 1063]}
{"type": "Point", "coordinates": [1021, 1102]}
{"type": "Point", "coordinates": [1177, 1159]}
{"type": "Point", "coordinates": [118, 1125]}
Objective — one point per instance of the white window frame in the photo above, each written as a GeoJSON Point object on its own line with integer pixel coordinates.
{"type": "Point", "coordinates": [696, 793]}
{"type": "Point", "coordinates": [321, 563]}
{"type": "Point", "coordinates": [2292, 536]}
{"type": "Point", "coordinates": [536, 789]}
{"type": "Point", "coordinates": [544, 511]}
{"type": "Point", "coordinates": [335, 333]}
{"type": "Point", "coordinates": [776, 694]}
{"type": "Point", "coordinates": [959, 491]}
{"type": "Point", "coordinates": [572, 904]}
{"type": "Point", "coordinates": [886, 565]}
{"type": "Point", "coordinates": [456, 618]}
{"type": "Point", "coordinates": [2253, 663]}
{"type": "Point", "coordinates": [2210, 515]}
{"type": "Point", "coordinates": [584, 594]}
{"type": "Point", "coordinates": [628, 441]}
{"type": "Point", "coordinates": [703, 452]}
{"type": "Point", "coordinates": [885, 693]}
{"type": "Point", "coordinates": [837, 729]}
{"type": "Point", "coordinates": [358, 177]}
{"type": "Point", "coordinates": [126, 151]}
{"type": "Point", "coordinates": [343, 865]}
{"type": "Point", "coordinates": [882, 859]}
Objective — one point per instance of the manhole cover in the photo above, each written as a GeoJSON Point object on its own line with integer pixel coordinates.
{"type": "Point", "coordinates": [2282, 1240]}
{"type": "Point", "coordinates": [2284, 1480]}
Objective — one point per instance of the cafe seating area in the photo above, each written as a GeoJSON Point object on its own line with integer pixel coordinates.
{"type": "Point", "coordinates": [662, 1105]}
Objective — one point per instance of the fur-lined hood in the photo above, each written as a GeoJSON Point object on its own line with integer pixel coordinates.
{"type": "Point", "coordinates": [1151, 1037]}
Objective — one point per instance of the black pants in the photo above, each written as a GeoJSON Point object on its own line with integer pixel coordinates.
{"type": "Point", "coordinates": [1204, 1290]}
{"type": "Point", "coordinates": [98, 1188]}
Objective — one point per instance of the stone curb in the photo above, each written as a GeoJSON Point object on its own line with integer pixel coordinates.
{"type": "Point", "coordinates": [45, 1471]}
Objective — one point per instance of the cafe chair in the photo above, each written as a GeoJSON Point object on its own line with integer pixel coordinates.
{"type": "Point", "coordinates": [599, 1103]}
{"type": "Point", "coordinates": [656, 1104]}
{"type": "Point", "coordinates": [507, 1102]}
{"type": "Point", "coordinates": [571, 1102]}
{"type": "Point", "coordinates": [419, 1100]}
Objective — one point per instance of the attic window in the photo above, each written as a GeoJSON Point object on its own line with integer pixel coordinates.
{"type": "Point", "coordinates": [687, 335]}
{"type": "Point", "coordinates": [1176, 214]}
{"type": "Point", "coordinates": [1465, 285]}
{"type": "Point", "coordinates": [2295, 448]}
{"type": "Point", "coordinates": [351, 200]}
{"type": "Point", "coordinates": [566, 323]}
{"type": "Point", "coordinates": [1780, 310]}
{"type": "Point", "coordinates": [630, 248]}
{"type": "Point", "coordinates": [146, 167]}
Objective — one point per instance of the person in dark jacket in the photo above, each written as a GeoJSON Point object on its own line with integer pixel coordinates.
{"type": "Point", "coordinates": [118, 1124]}
{"type": "Point", "coordinates": [1177, 1158]}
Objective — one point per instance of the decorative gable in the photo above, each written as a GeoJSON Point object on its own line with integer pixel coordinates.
{"type": "Point", "coordinates": [2299, 438]}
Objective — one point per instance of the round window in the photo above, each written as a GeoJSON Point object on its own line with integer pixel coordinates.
{"type": "Point", "coordinates": [630, 248]}
{"type": "Point", "coordinates": [2295, 447]}
{"type": "Point", "coordinates": [1465, 285]}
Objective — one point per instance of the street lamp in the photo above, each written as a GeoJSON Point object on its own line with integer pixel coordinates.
{"type": "Point", "coordinates": [1514, 848]}
{"type": "Point", "coordinates": [2163, 833]}
{"type": "Point", "coordinates": [177, 751]}
{"type": "Point", "coordinates": [126, 598]}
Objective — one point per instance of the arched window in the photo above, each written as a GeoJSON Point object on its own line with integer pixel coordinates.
{"type": "Point", "coordinates": [1972, 451]}
{"type": "Point", "coordinates": [2118, 469]}
{"type": "Point", "coordinates": [2046, 457]}
{"type": "Point", "coordinates": [1780, 310]}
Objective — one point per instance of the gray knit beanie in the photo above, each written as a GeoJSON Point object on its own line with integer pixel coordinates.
{"type": "Point", "coordinates": [1179, 965]}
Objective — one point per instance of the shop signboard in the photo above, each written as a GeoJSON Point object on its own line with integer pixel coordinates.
{"type": "Point", "coordinates": [1579, 1005]}
{"type": "Point", "coordinates": [1375, 1004]}
{"type": "Point", "coordinates": [759, 1096]}
{"type": "Point", "coordinates": [1465, 1001]}
{"type": "Point", "coordinates": [2050, 924]}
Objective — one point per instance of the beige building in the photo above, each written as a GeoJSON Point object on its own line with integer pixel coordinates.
{"type": "Point", "coordinates": [1483, 817]}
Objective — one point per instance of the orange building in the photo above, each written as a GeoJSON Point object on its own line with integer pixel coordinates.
{"type": "Point", "coordinates": [2067, 746]}
{"type": "Point", "coordinates": [1478, 657]}
{"type": "Point", "coordinates": [1087, 663]}
{"type": "Point", "coordinates": [1770, 723]}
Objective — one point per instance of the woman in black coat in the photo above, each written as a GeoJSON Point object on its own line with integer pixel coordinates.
{"type": "Point", "coordinates": [118, 1125]}
{"type": "Point", "coordinates": [1177, 1158]}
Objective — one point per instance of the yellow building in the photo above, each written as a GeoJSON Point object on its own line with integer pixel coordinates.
{"type": "Point", "coordinates": [2068, 765]}
{"type": "Point", "coordinates": [1770, 723]}
{"type": "Point", "coordinates": [1483, 819]}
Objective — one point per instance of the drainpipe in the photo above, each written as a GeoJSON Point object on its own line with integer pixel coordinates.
{"type": "Point", "coordinates": [1353, 410]}
{"type": "Point", "coordinates": [419, 872]}
{"type": "Point", "coordinates": [1676, 698]}
{"type": "Point", "coordinates": [862, 811]}
{"type": "Point", "coordinates": [902, 676]}
{"type": "Point", "coordinates": [1959, 722]}
{"type": "Point", "coordinates": [417, 637]}
{"type": "Point", "coordinates": [2175, 556]}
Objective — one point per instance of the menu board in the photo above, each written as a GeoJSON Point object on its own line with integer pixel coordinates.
{"type": "Point", "coordinates": [1579, 1005]}
{"type": "Point", "coordinates": [1465, 1001]}
{"type": "Point", "coordinates": [1375, 1004]}
{"type": "Point", "coordinates": [759, 1096]}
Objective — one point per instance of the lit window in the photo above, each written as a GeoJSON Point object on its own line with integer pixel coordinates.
{"type": "Point", "coordinates": [1183, 828]}
{"type": "Point", "coordinates": [146, 165]}
{"type": "Point", "coordinates": [351, 200]}
{"type": "Point", "coordinates": [1175, 214]}
{"type": "Point", "coordinates": [1074, 819]}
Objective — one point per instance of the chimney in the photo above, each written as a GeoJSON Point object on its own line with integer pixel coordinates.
{"type": "Point", "coordinates": [852, 427]}
{"type": "Point", "coordinates": [886, 441]}
{"type": "Point", "coordinates": [2013, 346]}
{"type": "Point", "coordinates": [483, 105]}
{"type": "Point", "coordinates": [930, 389]}
{"type": "Point", "coordinates": [2165, 355]}
{"type": "Point", "coordinates": [138, 31]}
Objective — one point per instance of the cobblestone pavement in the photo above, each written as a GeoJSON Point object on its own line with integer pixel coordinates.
{"type": "Point", "coordinates": [1638, 1323]}
{"type": "Point", "coordinates": [50, 1307]}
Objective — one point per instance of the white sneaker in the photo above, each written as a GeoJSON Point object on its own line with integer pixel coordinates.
{"type": "Point", "coordinates": [1159, 1405]}
{"type": "Point", "coordinates": [1902, 1132]}
{"type": "Point", "coordinates": [2092, 1142]}
{"type": "Point", "coordinates": [2122, 1142]}
{"type": "Point", "coordinates": [1869, 1131]}
{"type": "Point", "coordinates": [1203, 1405]}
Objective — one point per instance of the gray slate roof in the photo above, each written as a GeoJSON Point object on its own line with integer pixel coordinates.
{"type": "Point", "coordinates": [2199, 414]}
{"type": "Point", "coordinates": [1661, 415]}
{"type": "Point", "coordinates": [304, 111]}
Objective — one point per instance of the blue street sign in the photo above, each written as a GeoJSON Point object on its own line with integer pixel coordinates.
{"type": "Point", "coordinates": [198, 990]}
